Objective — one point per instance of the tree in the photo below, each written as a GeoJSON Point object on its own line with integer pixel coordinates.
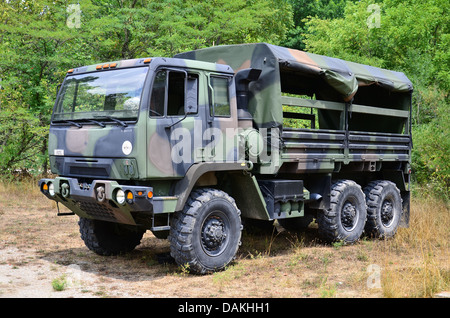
{"type": "Point", "coordinates": [131, 28]}
{"type": "Point", "coordinates": [304, 9]}
{"type": "Point", "coordinates": [36, 49]}
{"type": "Point", "coordinates": [413, 37]}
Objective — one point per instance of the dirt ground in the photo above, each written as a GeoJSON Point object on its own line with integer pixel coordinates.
{"type": "Point", "coordinates": [41, 253]}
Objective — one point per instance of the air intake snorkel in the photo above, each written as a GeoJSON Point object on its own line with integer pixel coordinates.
{"type": "Point", "coordinates": [243, 78]}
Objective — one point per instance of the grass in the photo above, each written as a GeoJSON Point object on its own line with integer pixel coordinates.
{"type": "Point", "coordinates": [60, 283]}
{"type": "Point", "coordinates": [426, 244]}
{"type": "Point", "coordinates": [415, 263]}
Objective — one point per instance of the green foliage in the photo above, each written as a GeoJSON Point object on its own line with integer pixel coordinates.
{"type": "Point", "coordinates": [41, 39]}
{"type": "Point", "coordinates": [130, 28]}
{"type": "Point", "coordinates": [304, 9]}
{"type": "Point", "coordinates": [431, 155]}
{"type": "Point", "coordinates": [36, 49]}
{"type": "Point", "coordinates": [60, 283]}
{"type": "Point", "coordinates": [412, 37]}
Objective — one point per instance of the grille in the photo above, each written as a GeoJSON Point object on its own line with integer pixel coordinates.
{"type": "Point", "coordinates": [88, 171]}
{"type": "Point", "coordinates": [98, 211]}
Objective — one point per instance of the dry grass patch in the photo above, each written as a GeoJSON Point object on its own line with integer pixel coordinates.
{"type": "Point", "coordinates": [416, 262]}
{"type": "Point", "coordinates": [278, 264]}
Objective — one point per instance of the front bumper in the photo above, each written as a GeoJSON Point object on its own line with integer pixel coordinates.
{"type": "Point", "coordinates": [102, 199]}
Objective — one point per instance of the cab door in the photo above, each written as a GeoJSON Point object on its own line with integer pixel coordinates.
{"type": "Point", "coordinates": [173, 111]}
{"type": "Point", "coordinates": [221, 132]}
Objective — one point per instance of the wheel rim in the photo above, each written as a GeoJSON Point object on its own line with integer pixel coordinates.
{"type": "Point", "coordinates": [215, 233]}
{"type": "Point", "coordinates": [349, 215]}
{"type": "Point", "coordinates": [387, 213]}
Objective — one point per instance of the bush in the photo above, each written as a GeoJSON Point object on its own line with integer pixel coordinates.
{"type": "Point", "coordinates": [431, 154]}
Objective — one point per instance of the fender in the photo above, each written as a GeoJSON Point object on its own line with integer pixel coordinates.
{"type": "Point", "coordinates": [184, 187]}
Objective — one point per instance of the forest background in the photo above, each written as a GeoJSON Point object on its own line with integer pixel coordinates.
{"type": "Point", "coordinates": [40, 40]}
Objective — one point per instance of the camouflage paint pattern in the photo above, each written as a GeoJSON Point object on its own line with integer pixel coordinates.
{"type": "Point", "coordinates": [341, 83]}
{"type": "Point", "coordinates": [96, 153]}
{"type": "Point", "coordinates": [170, 155]}
{"type": "Point", "coordinates": [343, 76]}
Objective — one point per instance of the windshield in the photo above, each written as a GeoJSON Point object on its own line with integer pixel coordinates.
{"type": "Point", "coordinates": [114, 93]}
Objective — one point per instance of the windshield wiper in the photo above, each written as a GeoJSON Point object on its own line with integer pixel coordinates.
{"type": "Point", "coordinates": [96, 122]}
{"type": "Point", "coordinates": [122, 123]}
{"type": "Point", "coordinates": [80, 125]}
{"type": "Point", "coordinates": [69, 122]}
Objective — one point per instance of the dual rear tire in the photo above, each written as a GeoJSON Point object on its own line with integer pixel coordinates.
{"type": "Point", "coordinates": [376, 210]}
{"type": "Point", "coordinates": [384, 209]}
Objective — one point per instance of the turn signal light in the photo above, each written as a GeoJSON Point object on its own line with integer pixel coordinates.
{"type": "Point", "coordinates": [130, 195]}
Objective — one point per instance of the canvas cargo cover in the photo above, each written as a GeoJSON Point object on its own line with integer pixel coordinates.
{"type": "Point", "coordinates": [343, 76]}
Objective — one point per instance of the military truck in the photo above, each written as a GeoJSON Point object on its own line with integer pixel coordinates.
{"type": "Point", "coordinates": [197, 146]}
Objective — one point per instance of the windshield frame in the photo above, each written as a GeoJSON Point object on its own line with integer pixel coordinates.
{"type": "Point", "coordinates": [58, 117]}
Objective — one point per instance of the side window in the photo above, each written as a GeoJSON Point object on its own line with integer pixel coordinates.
{"type": "Point", "coordinates": [158, 98]}
{"type": "Point", "coordinates": [176, 93]}
{"type": "Point", "coordinates": [171, 90]}
{"type": "Point", "coordinates": [219, 96]}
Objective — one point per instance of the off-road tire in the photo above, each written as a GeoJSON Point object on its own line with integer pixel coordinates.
{"type": "Point", "coordinates": [384, 208]}
{"type": "Point", "coordinates": [107, 238]}
{"type": "Point", "coordinates": [345, 219]}
{"type": "Point", "coordinates": [206, 235]}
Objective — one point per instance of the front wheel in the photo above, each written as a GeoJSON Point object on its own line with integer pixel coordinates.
{"type": "Point", "coordinates": [206, 235]}
{"type": "Point", "coordinates": [107, 238]}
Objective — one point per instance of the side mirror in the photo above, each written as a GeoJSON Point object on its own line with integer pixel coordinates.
{"type": "Point", "coordinates": [57, 89]}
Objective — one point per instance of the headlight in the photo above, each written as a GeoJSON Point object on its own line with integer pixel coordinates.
{"type": "Point", "coordinates": [51, 189]}
{"type": "Point", "coordinates": [120, 196]}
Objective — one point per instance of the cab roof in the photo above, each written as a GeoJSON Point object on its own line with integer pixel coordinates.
{"type": "Point", "coordinates": [152, 62]}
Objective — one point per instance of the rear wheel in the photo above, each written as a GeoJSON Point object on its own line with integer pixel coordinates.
{"type": "Point", "coordinates": [206, 235]}
{"type": "Point", "coordinates": [384, 208]}
{"type": "Point", "coordinates": [107, 238]}
{"type": "Point", "coordinates": [345, 219]}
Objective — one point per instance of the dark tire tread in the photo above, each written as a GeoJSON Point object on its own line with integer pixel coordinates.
{"type": "Point", "coordinates": [182, 227]}
{"type": "Point", "coordinates": [375, 192]}
{"type": "Point", "coordinates": [329, 219]}
{"type": "Point", "coordinates": [103, 238]}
